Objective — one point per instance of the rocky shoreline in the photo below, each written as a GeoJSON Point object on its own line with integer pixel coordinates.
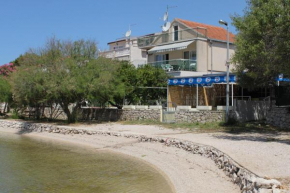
{"type": "Point", "coordinates": [245, 179]}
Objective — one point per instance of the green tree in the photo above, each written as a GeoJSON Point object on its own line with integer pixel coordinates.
{"type": "Point", "coordinates": [65, 73]}
{"type": "Point", "coordinates": [263, 42]}
{"type": "Point", "coordinates": [140, 84]}
{"type": "Point", "coordinates": [5, 89]}
{"type": "Point", "coordinates": [150, 80]}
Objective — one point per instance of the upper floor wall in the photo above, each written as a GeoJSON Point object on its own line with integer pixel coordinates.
{"type": "Point", "coordinates": [177, 32]}
{"type": "Point", "coordinates": [126, 49]}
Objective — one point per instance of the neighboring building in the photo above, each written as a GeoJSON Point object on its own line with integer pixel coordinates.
{"type": "Point", "coordinates": [188, 48]}
{"type": "Point", "coordinates": [126, 49]}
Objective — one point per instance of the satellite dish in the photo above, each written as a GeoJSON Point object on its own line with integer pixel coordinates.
{"type": "Point", "coordinates": [166, 26]}
{"type": "Point", "coordinates": [128, 33]}
{"type": "Point", "coordinates": [165, 17]}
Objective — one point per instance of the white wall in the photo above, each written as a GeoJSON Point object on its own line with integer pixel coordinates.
{"type": "Point", "coordinates": [137, 55]}
{"type": "Point", "coordinates": [122, 43]}
{"type": "Point", "coordinates": [219, 50]}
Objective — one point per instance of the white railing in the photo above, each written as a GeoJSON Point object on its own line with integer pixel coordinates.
{"type": "Point", "coordinates": [116, 53]}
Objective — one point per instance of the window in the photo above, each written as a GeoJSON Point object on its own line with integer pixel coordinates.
{"type": "Point", "coordinates": [118, 47]}
{"type": "Point", "coordinates": [144, 54]}
{"type": "Point", "coordinates": [175, 33]}
{"type": "Point", "coordinates": [161, 57]}
{"type": "Point", "coordinates": [190, 55]}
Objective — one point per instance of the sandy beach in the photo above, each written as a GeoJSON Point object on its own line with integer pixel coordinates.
{"type": "Point", "coordinates": [186, 172]}
{"type": "Point", "coordinates": [264, 154]}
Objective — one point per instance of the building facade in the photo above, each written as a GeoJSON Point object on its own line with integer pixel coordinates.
{"type": "Point", "coordinates": [126, 49]}
{"type": "Point", "coordinates": [188, 48]}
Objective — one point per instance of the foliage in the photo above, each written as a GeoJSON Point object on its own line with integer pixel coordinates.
{"type": "Point", "coordinates": [7, 69]}
{"type": "Point", "coordinates": [5, 90]}
{"type": "Point", "coordinates": [65, 73]}
{"type": "Point", "coordinates": [149, 76]}
{"type": "Point", "coordinates": [137, 82]}
{"type": "Point", "coordinates": [263, 42]}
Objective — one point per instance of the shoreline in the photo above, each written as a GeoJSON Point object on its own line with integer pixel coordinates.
{"type": "Point", "coordinates": [177, 167]}
{"type": "Point", "coordinates": [88, 146]}
{"type": "Point", "coordinates": [192, 162]}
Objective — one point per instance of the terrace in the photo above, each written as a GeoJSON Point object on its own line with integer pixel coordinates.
{"type": "Point", "coordinates": [116, 53]}
{"type": "Point", "coordinates": [175, 65]}
{"type": "Point", "coordinates": [169, 37]}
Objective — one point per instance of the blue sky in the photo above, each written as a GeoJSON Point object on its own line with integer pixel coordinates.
{"type": "Point", "coordinates": [28, 24]}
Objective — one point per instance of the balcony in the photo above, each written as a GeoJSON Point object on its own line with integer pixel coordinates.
{"type": "Point", "coordinates": [175, 65]}
{"type": "Point", "coordinates": [116, 53]}
{"type": "Point", "coordinates": [168, 37]}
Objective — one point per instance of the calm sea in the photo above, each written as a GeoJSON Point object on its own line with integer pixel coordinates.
{"type": "Point", "coordinates": [32, 165]}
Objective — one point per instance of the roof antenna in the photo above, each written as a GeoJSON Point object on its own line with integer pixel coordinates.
{"type": "Point", "coordinates": [166, 24]}
{"type": "Point", "coordinates": [128, 33]}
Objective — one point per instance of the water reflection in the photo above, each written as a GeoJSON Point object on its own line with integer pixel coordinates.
{"type": "Point", "coordinates": [28, 165]}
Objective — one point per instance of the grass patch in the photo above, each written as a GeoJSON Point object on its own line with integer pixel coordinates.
{"type": "Point", "coordinates": [231, 127]}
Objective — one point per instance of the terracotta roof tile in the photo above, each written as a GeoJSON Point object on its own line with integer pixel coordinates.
{"type": "Point", "coordinates": [213, 32]}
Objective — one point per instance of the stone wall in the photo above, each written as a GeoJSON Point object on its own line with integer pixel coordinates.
{"type": "Point", "coordinates": [182, 116]}
{"type": "Point", "coordinates": [279, 117]}
{"type": "Point", "coordinates": [89, 114]}
{"type": "Point", "coordinates": [245, 179]}
{"type": "Point", "coordinates": [198, 116]}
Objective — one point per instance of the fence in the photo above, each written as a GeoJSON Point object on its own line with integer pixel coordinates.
{"type": "Point", "coordinates": [250, 110]}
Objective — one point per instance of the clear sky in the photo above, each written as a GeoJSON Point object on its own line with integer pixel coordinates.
{"type": "Point", "coordinates": [28, 24]}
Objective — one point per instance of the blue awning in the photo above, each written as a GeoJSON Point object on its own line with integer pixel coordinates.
{"type": "Point", "coordinates": [203, 81]}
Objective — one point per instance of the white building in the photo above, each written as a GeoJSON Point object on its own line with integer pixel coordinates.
{"type": "Point", "coordinates": [126, 49]}
{"type": "Point", "coordinates": [188, 48]}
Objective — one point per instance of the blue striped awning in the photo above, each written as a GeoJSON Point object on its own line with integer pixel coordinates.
{"type": "Point", "coordinates": [203, 81]}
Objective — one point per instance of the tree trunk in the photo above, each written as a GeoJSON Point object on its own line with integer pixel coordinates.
{"type": "Point", "coordinates": [115, 105]}
{"type": "Point", "coordinates": [5, 106]}
{"type": "Point", "coordinates": [71, 116]}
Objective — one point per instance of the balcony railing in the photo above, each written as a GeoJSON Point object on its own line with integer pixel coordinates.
{"type": "Point", "coordinates": [175, 65]}
{"type": "Point", "coordinates": [116, 53]}
{"type": "Point", "coordinates": [167, 37]}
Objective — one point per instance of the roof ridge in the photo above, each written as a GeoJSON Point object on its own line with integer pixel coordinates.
{"type": "Point", "coordinates": [200, 23]}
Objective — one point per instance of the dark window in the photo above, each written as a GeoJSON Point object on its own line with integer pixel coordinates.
{"type": "Point", "coordinates": [175, 33]}
{"type": "Point", "coordinates": [186, 55]}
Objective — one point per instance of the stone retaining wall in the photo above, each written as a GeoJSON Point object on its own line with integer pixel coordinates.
{"type": "Point", "coordinates": [279, 117]}
{"type": "Point", "coordinates": [120, 114]}
{"type": "Point", "coordinates": [198, 116]}
{"type": "Point", "coordinates": [245, 179]}
{"type": "Point", "coordinates": [182, 116]}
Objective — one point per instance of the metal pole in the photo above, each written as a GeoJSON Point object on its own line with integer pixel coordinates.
{"type": "Point", "coordinates": [211, 57]}
{"type": "Point", "coordinates": [228, 76]}
{"type": "Point", "coordinates": [232, 94]}
{"type": "Point", "coordinates": [196, 95]}
{"type": "Point", "coordinates": [167, 97]}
